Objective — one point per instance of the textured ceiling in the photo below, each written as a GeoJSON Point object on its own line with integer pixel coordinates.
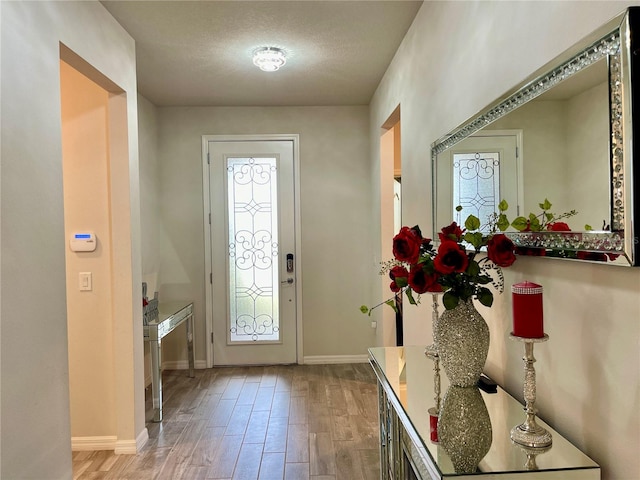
{"type": "Point", "coordinates": [199, 52]}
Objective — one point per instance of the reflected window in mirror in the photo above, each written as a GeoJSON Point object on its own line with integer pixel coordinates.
{"type": "Point", "coordinates": [476, 184]}
{"type": "Point", "coordinates": [574, 146]}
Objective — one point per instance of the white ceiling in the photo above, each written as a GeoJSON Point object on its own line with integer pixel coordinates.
{"type": "Point", "coordinates": [199, 52]}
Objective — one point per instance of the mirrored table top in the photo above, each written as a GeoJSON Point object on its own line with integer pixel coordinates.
{"type": "Point", "coordinates": [167, 317]}
{"type": "Point", "coordinates": [408, 374]}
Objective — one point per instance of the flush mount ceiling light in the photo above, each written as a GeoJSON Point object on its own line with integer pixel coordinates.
{"type": "Point", "coordinates": [269, 59]}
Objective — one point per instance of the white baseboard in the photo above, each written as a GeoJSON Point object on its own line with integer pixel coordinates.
{"type": "Point", "coordinates": [183, 365]}
{"type": "Point", "coordinates": [331, 359]}
{"type": "Point", "coordinates": [176, 365]}
{"type": "Point", "coordinates": [108, 442]}
{"type": "Point", "coordinates": [308, 360]}
{"type": "Point", "coordinates": [131, 447]}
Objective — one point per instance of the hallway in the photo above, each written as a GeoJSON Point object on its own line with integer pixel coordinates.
{"type": "Point", "coordinates": [295, 422]}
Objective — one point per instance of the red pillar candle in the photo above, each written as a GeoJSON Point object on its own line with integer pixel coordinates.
{"type": "Point", "coordinates": [527, 310]}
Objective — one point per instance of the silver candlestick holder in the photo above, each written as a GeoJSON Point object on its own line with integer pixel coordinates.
{"type": "Point", "coordinates": [529, 433]}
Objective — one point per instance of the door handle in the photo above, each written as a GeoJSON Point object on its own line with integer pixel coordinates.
{"type": "Point", "coordinates": [288, 281]}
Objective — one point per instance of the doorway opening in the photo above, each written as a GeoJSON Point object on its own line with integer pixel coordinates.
{"type": "Point", "coordinates": [391, 215]}
{"type": "Point", "coordinates": [100, 331]}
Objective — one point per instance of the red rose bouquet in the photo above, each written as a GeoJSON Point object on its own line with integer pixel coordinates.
{"type": "Point", "coordinates": [454, 267]}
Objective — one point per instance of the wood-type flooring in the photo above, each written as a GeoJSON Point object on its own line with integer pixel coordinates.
{"type": "Point", "coordinates": [294, 422]}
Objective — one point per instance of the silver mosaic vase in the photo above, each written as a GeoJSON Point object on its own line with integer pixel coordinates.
{"type": "Point", "coordinates": [464, 428]}
{"type": "Point", "coordinates": [462, 339]}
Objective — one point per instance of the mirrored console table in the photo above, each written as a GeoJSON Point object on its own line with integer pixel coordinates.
{"type": "Point", "coordinates": [407, 385]}
{"type": "Point", "coordinates": [170, 316]}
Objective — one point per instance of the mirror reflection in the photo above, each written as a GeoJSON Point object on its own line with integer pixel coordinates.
{"type": "Point", "coordinates": [555, 146]}
{"type": "Point", "coordinates": [551, 139]}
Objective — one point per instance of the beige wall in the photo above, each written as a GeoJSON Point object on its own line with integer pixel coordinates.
{"type": "Point", "coordinates": [568, 138]}
{"type": "Point", "coordinates": [86, 202]}
{"type": "Point", "coordinates": [335, 206]}
{"type": "Point", "coordinates": [149, 204]}
{"type": "Point", "coordinates": [544, 126]}
{"type": "Point", "coordinates": [149, 193]}
{"type": "Point", "coordinates": [587, 147]}
{"type": "Point", "coordinates": [588, 372]}
{"type": "Point", "coordinates": [35, 436]}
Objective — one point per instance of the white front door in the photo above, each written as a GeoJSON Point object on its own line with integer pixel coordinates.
{"type": "Point", "coordinates": [253, 251]}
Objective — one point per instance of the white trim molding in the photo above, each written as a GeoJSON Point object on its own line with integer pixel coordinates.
{"type": "Point", "coordinates": [176, 365]}
{"type": "Point", "coordinates": [131, 447]}
{"type": "Point", "coordinates": [333, 359]}
{"type": "Point", "coordinates": [183, 365]}
{"type": "Point", "coordinates": [110, 442]}
{"type": "Point", "coordinates": [107, 442]}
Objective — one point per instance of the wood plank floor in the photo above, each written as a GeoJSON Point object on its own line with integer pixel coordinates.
{"type": "Point", "coordinates": [297, 422]}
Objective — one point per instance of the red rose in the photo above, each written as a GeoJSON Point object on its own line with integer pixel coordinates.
{"type": "Point", "coordinates": [421, 282]}
{"type": "Point", "coordinates": [558, 227]}
{"type": "Point", "coordinates": [398, 272]}
{"type": "Point", "coordinates": [406, 245]}
{"type": "Point", "coordinates": [452, 232]}
{"type": "Point", "coordinates": [450, 258]}
{"type": "Point", "coordinates": [394, 287]}
{"type": "Point", "coordinates": [500, 250]}
{"type": "Point", "coordinates": [426, 244]}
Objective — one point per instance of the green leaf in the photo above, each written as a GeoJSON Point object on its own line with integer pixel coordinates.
{"type": "Point", "coordinates": [534, 223]}
{"type": "Point", "coordinates": [472, 223]}
{"type": "Point", "coordinates": [485, 297]}
{"type": "Point", "coordinates": [364, 309]}
{"type": "Point", "coordinates": [450, 300]}
{"type": "Point", "coordinates": [520, 223]}
{"type": "Point", "coordinates": [503, 206]}
{"type": "Point", "coordinates": [588, 227]}
{"type": "Point", "coordinates": [503, 222]}
{"type": "Point", "coordinates": [402, 282]}
{"type": "Point", "coordinates": [546, 205]}
{"type": "Point", "coordinates": [392, 304]}
{"type": "Point", "coordinates": [484, 279]}
{"type": "Point", "coordinates": [474, 238]}
{"type": "Point", "coordinates": [409, 293]}
{"type": "Point", "coordinates": [473, 269]}
{"type": "Point", "coordinates": [549, 216]}
{"type": "Point", "coordinates": [459, 208]}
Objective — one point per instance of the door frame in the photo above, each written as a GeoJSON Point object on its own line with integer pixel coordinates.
{"type": "Point", "coordinates": [206, 191]}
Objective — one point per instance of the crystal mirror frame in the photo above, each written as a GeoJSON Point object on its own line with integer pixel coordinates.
{"type": "Point", "coordinates": [617, 43]}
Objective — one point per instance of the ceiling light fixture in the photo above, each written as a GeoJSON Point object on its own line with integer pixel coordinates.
{"type": "Point", "coordinates": [269, 59]}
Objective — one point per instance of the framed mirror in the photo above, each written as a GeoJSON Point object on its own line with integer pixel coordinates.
{"type": "Point", "coordinates": [565, 134]}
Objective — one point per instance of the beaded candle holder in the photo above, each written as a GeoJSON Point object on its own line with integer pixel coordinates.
{"type": "Point", "coordinates": [529, 433]}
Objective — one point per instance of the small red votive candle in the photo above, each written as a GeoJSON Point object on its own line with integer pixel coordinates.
{"type": "Point", "coordinates": [433, 425]}
{"type": "Point", "coordinates": [527, 310]}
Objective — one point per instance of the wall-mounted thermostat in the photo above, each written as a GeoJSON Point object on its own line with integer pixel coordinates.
{"type": "Point", "coordinates": [83, 242]}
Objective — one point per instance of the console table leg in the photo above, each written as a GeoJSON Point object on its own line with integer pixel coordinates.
{"type": "Point", "coordinates": [190, 352]}
{"type": "Point", "coordinates": [156, 379]}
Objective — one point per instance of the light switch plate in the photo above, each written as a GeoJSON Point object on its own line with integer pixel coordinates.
{"type": "Point", "coordinates": [85, 282]}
